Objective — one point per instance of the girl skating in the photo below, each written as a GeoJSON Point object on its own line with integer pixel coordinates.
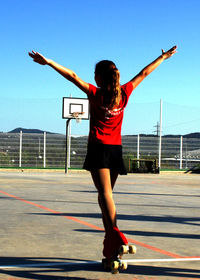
{"type": "Point", "coordinates": [104, 155]}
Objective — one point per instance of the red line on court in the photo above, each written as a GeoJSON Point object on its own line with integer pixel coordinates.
{"type": "Point", "coordinates": [155, 249]}
{"type": "Point", "coordinates": [52, 211]}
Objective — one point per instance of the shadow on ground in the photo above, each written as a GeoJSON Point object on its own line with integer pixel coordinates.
{"type": "Point", "coordinates": [41, 270]}
{"type": "Point", "coordinates": [46, 268]}
{"type": "Point", "coordinates": [194, 170]}
{"type": "Point", "coordinates": [168, 272]}
{"type": "Point", "coordinates": [150, 233]}
{"type": "Point", "coordinates": [144, 218]}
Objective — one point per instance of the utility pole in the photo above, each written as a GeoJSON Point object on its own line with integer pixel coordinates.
{"type": "Point", "coordinates": [157, 129]}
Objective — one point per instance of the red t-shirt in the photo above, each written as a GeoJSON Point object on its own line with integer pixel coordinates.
{"type": "Point", "coordinates": [105, 124]}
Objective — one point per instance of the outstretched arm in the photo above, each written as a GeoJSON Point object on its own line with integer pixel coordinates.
{"type": "Point", "coordinates": [65, 72]}
{"type": "Point", "coordinates": [152, 66]}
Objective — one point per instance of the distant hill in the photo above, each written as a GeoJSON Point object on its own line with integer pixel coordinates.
{"type": "Point", "coordinates": [193, 135]}
{"type": "Point", "coordinates": [190, 135]}
{"type": "Point", "coordinates": [38, 131]}
{"type": "Point", "coordinates": [25, 130]}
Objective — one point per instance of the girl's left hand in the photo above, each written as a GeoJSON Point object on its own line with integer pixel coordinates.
{"type": "Point", "coordinates": [37, 57]}
{"type": "Point", "coordinates": [169, 53]}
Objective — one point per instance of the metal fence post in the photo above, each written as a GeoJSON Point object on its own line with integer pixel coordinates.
{"type": "Point", "coordinates": [44, 156]}
{"type": "Point", "coordinates": [138, 150]}
{"type": "Point", "coordinates": [160, 136]}
{"type": "Point", "coordinates": [20, 149]}
{"type": "Point", "coordinates": [181, 152]}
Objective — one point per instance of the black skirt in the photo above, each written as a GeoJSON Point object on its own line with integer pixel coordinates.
{"type": "Point", "coordinates": [104, 156]}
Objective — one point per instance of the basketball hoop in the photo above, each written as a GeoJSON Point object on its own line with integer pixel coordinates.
{"type": "Point", "coordinates": [77, 116]}
{"type": "Point", "coordinates": [73, 108]}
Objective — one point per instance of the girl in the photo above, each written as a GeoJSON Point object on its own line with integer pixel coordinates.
{"type": "Point", "coordinates": [104, 154]}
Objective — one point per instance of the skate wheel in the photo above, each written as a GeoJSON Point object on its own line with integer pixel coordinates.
{"type": "Point", "coordinates": [115, 265]}
{"type": "Point", "coordinates": [124, 265]}
{"type": "Point", "coordinates": [123, 250]}
{"type": "Point", "coordinates": [132, 249]}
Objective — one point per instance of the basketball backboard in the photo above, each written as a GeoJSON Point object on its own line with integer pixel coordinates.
{"type": "Point", "coordinates": [71, 106]}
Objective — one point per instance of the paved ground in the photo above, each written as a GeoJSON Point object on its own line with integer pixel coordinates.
{"type": "Point", "coordinates": [50, 226]}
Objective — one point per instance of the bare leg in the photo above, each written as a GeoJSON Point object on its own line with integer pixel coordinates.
{"type": "Point", "coordinates": [104, 181]}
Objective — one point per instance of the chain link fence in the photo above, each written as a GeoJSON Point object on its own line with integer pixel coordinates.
{"type": "Point", "coordinates": [48, 150]}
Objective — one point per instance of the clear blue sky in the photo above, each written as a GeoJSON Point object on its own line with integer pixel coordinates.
{"type": "Point", "coordinates": [77, 34]}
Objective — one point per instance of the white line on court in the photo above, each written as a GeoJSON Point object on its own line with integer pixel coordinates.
{"type": "Point", "coordinates": [54, 264]}
{"type": "Point", "coordinates": [47, 264]}
{"type": "Point", "coordinates": [162, 260]}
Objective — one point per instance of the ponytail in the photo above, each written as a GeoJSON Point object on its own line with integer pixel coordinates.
{"type": "Point", "coordinates": [110, 82]}
{"type": "Point", "coordinates": [115, 88]}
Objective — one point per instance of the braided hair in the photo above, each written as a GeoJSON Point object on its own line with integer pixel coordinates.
{"type": "Point", "coordinates": [110, 82]}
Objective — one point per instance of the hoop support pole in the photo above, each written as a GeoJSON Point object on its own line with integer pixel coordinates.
{"type": "Point", "coordinates": [66, 145]}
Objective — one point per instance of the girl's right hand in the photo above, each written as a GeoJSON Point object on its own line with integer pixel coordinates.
{"type": "Point", "coordinates": [37, 57]}
{"type": "Point", "coordinates": [169, 53]}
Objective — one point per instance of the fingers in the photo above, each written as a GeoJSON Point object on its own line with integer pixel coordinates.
{"type": "Point", "coordinates": [169, 53]}
{"type": "Point", "coordinates": [32, 54]}
{"type": "Point", "coordinates": [172, 50]}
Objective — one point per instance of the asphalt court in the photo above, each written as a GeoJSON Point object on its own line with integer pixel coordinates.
{"type": "Point", "coordinates": [50, 226]}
